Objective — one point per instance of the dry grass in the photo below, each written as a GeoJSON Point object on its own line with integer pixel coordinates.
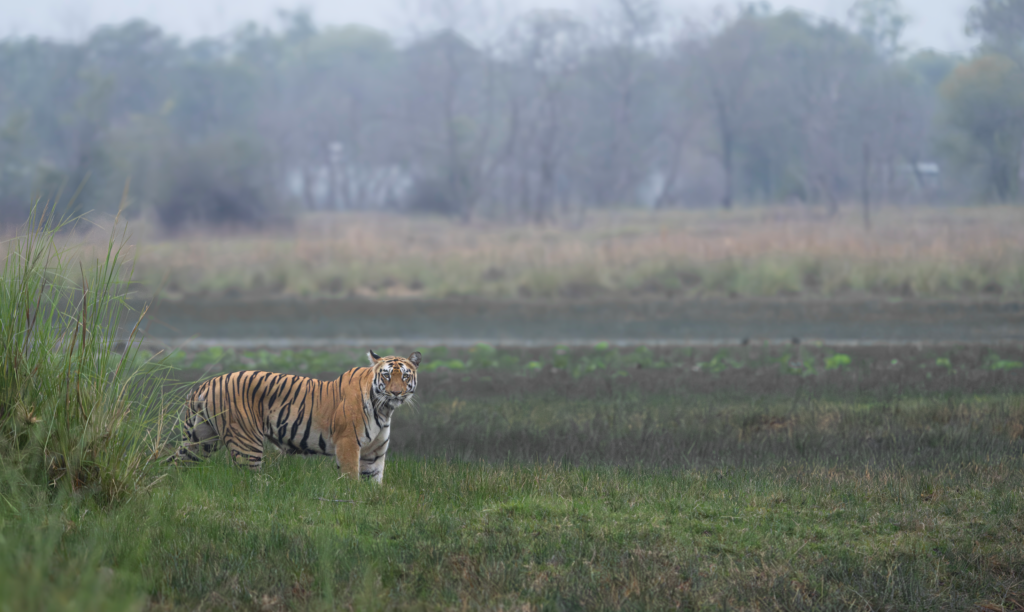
{"type": "Point", "coordinates": [753, 252]}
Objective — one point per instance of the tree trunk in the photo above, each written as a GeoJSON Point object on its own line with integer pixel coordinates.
{"type": "Point", "coordinates": [727, 168]}
{"type": "Point", "coordinates": [865, 187]}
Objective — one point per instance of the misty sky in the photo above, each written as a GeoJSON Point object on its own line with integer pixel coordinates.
{"type": "Point", "coordinates": [934, 23]}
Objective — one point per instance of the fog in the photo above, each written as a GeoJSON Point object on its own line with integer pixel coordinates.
{"type": "Point", "coordinates": [249, 113]}
{"type": "Point", "coordinates": [933, 23]}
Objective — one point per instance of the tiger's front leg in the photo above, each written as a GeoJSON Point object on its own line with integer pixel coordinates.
{"type": "Point", "coordinates": [346, 451]}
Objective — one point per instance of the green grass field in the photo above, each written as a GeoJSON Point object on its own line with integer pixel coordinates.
{"type": "Point", "coordinates": [869, 479]}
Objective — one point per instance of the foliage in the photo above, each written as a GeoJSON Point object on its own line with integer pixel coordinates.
{"type": "Point", "coordinates": [997, 363]}
{"type": "Point", "coordinates": [837, 361]}
{"type": "Point", "coordinates": [985, 102]}
{"type": "Point", "coordinates": [999, 24]}
{"type": "Point", "coordinates": [881, 23]}
{"type": "Point", "coordinates": [216, 184]}
{"type": "Point", "coordinates": [553, 113]}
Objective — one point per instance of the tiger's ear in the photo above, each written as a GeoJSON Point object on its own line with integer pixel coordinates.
{"type": "Point", "coordinates": [415, 358]}
{"type": "Point", "coordinates": [374, 357]}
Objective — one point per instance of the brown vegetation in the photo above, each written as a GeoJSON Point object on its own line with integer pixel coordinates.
{"type": "Point", "coordinates": [754, 252]}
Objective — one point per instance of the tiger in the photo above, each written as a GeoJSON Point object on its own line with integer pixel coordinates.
{"type": "Point", "coordinates": [349, 417]}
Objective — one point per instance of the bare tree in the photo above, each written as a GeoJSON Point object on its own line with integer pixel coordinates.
{"type": "Point", "coordinates": [450, 102]}
{"type": "Point", "coordinates": [543, 51]}
{"type": "Point", "coordinates": [617, 72]}
{"type": "Point", "coordinates": [726, 65]}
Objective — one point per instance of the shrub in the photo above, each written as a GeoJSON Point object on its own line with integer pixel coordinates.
{"type": "Point", "coordinates": [217, 183]}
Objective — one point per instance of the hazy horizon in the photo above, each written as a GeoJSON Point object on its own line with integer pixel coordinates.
{"type": "Point", "coordinates": [933, 23]}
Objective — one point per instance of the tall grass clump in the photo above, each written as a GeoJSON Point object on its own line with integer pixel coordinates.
{"type": "Point", "coordinates": [79, 408]}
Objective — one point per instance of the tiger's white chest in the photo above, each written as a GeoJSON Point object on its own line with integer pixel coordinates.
{"type": "Point", "coordinates": [376, 427]}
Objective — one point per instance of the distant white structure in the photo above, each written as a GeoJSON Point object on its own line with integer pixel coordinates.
{"type": "Point", "coordinates": [343, 184]}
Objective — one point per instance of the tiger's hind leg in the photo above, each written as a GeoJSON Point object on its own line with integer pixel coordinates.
{"type": "Point", "coordinates": [243, 448]}
{"type": "Point", "coordinates": [253, 460]}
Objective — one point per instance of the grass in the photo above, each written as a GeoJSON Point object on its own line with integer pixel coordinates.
{"type": "Point", "coordinates": [807, 530]}
{"type": "Point", "coordinates": [739, 406]}
{"type": "Point", "coordinates": [778, 251]}
{"type": "Point", "coordinates": [870, 478]}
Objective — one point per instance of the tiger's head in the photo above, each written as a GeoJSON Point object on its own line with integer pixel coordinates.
{"type": "Point", "coordinates": [394, 378]}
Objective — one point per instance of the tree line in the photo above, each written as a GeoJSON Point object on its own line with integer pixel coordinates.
{"type": "Point", "coordinates": [553, 114]}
